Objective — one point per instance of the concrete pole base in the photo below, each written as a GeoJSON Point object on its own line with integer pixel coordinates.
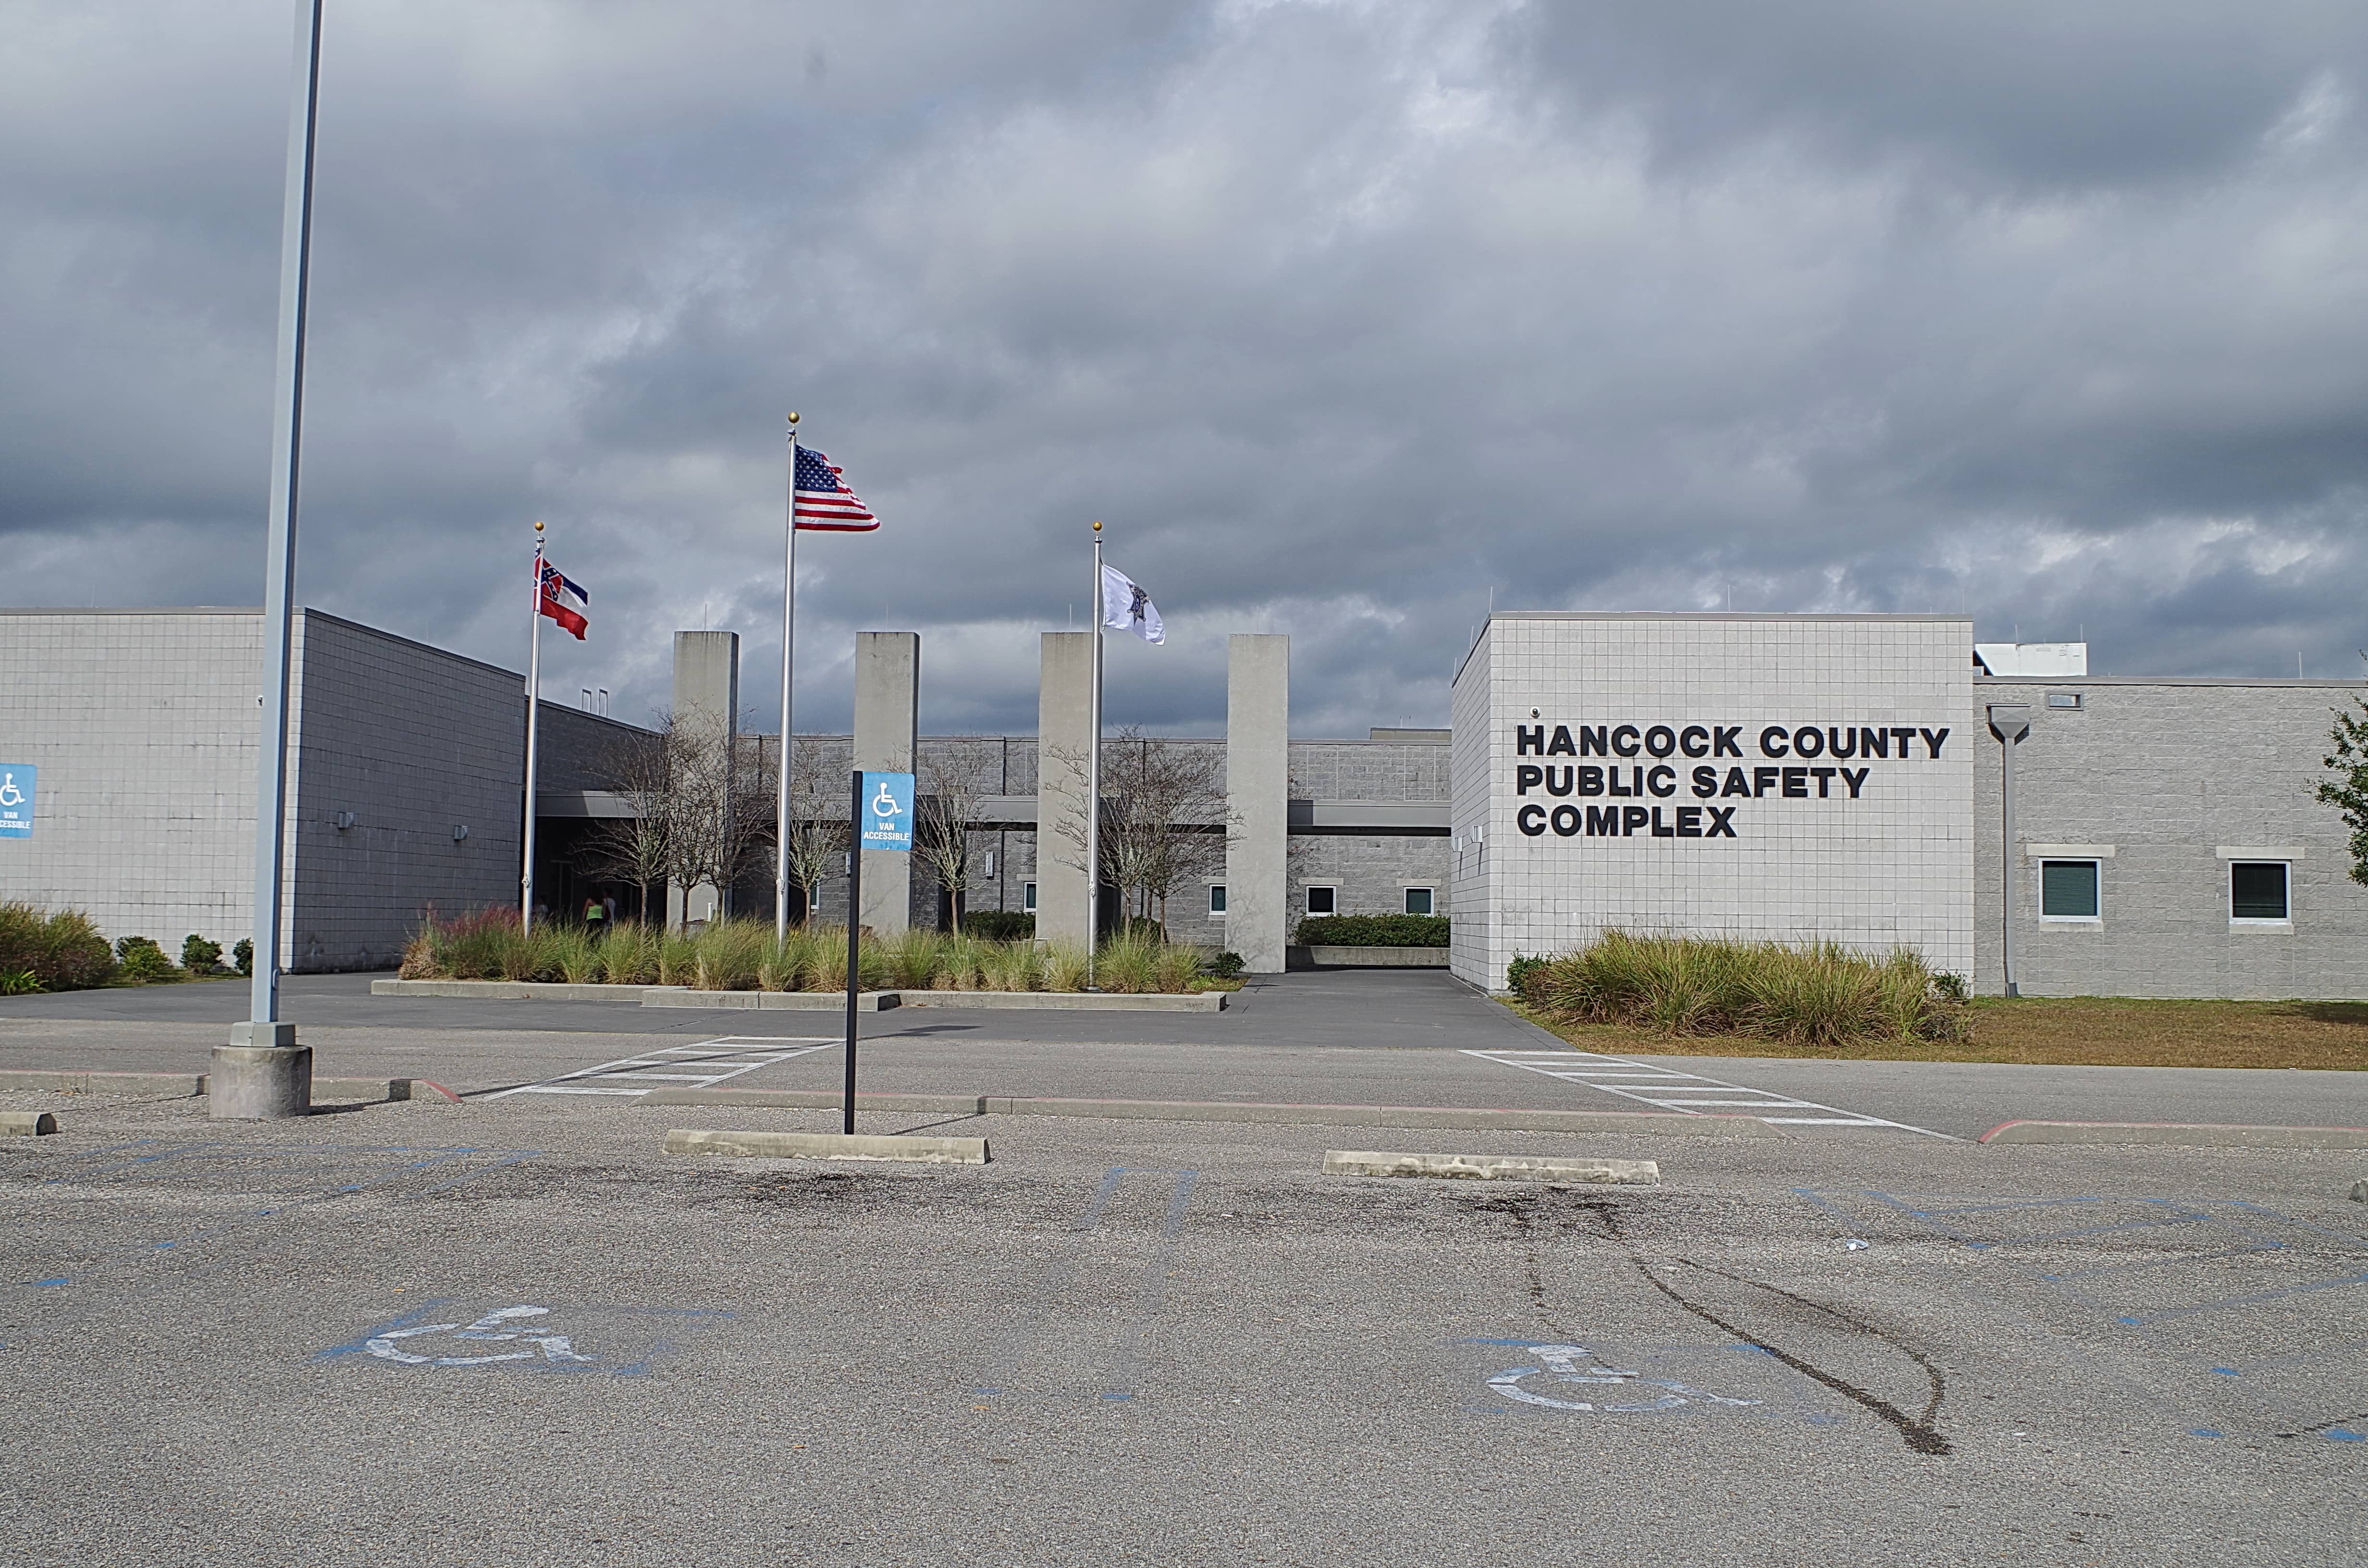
{"type": "Point", "coordinates": [260, 1082]}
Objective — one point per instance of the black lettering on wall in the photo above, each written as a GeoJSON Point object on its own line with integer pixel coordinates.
{"type": "Point", "coordinates": [1557, 787]}
{"type": "Point", "coordinates": [1705, 783]}
{"type": "Point", "coordinates": [1602, 822]}
{"type": "Point", "coordinates": [1660, 828]}
{"type": "Point", "coordinates": [1662, 782]}
{"type": "Point", "coordinates": [1842, 741]}
{"type": "Point", "coordinates": [1808, 741]}
{"type": "Point", "coordinates": [1874, 742]}
{"type": "Point", "coordinates": [1905, 735]}
{"type": "Point", "coordinates": [1660, 740]}
{"type": "Point", "coordinates": [1720, 819]}
{"type": "Point", "coordinates": [1933, 738]}
{"type": "Point", "coordinates": [1772, 742]}
{"type": "Point", "coordinates": [1689, 822]}
{"type": "Point", "coordinates": [1762, 780]}
{"type": "Point", "coordinates": [1694, 741]}
{"type": "Point", "coordinates": [1824, 778]}
{"type": "Point", "coordinates": [1624, 741]}
{"type": "Point", "coordinates": [1529, 738]}
{"type": "Point", "coordinates": [1723, 742]}
{"type": "Point", "coordinates": [1591, 779]}
{"type": "Point", "coordinates": [1560, 745]}
{"type": "Point", "coordinates": [1566, 820]}
{"type": "Point", "coordinates": [1797, 783]}
{"type": "Point", "coordinates": [1530, 819]}
{"type": "Point", "coordinates": [1617, 788]}
{"type": "Point", "coordinates": [1736, 784]}
{"type": "Point", "coordinates": [1854, 777]}
{"type": "Point", "coordinates": [1528, 776]}
{"type": "Point", "coordinates": [1632, 818]}
{"type": "Point", "coordinates": [1590, 741]}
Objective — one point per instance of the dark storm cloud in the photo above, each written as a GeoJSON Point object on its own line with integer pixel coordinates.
{"type": "Point", "coordinates": [1345, 316]}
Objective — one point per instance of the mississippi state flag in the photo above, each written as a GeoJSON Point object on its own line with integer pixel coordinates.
{"type": "Point", "coordinates": [563, 601]}
{"type": "Point", "coordinates": [824, 500]}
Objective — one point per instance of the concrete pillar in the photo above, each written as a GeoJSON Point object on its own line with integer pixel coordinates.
{"type": "Point", "coordinates": [1064, 734]}
{"type": "Point", "coordinates": [707, 703]}
{"type": "Point", "coordinates": [1258, 800]}
{"type": "Point", "coordinates": [887, 718]}
{"type": "Point", "coordinates": [261, 1075]}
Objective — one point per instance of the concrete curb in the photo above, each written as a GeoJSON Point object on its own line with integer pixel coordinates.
{"type": "Point", "coordinates": [2186, 1135]}
{"type": "Point", "coordinates": [828, 1146]}
{"type": "Point", "coordinates": [820, 1099]}
{"type": "Point", "coordinates": [507, 990]}
{"type": "Point", "coordinates": [184, 1085]}
{"type": "Point", "coordinates": [1377, 958]}
{"type": "Point", "coordinates": [178, 1085]}
{"type": "Point", "coordinates": [770, 1001]}
{"type": "Point", "coordinates": [1451, 1117]}
{"type": "Point", "coordinates": [1493, 1168]}
{"type": "Point", "coordinates": [26, 1123]}
{"type": "Point", "coordinates": [1074, 1001]}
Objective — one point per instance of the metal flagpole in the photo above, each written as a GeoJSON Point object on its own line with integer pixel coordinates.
{"type": "Point", "coordinates": [533, 726]}
{"type": "Point", "coordinates": [788, 643]}
{"type": "Point", "coordinates": [1094, 780]}
{"type": "Point", "coordinates": [279, 568]}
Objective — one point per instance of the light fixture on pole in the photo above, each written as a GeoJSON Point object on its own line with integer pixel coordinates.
{"type": "Point", "coordinates": [2009, 722]}
{"type": "Point", "coordinates": [263, 1074]}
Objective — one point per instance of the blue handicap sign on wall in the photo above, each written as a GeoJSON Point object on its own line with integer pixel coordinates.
{"type": "Point", "coordinates": [888, 811]}
{"type": "Point", "coordinates": [16, 800]}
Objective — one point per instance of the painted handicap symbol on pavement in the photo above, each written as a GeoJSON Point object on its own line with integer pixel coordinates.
{"type": "Point", "coordinates": [500, 1326]}
{"type": "Point", "coordinates": [1568, 1366]}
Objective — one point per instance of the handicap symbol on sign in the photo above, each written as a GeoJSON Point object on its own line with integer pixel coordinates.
{"type": "Point", "coordinates": [1569, 1365]}
{"type": "Point", "coordinates": [883, 806]}
{"type": "Point", "coordinates": [10, 794]}
{"type": "Point", "coordinates": [502, 1325]}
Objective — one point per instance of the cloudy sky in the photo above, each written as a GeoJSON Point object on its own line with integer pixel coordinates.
{"type": "Point", "coordinates": [1346, 317]}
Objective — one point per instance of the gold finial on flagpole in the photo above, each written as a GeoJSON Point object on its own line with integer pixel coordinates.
{"type": "Point", "coordinates": [538, 525]}
{"type": "Point", "coordinates": [1098, 525]}
{"type": "Point", "coordinates": [793, 416]}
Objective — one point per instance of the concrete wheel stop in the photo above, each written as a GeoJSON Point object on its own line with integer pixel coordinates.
{"type": "Point", "coordinates": [26, 1123]}
{"type": "Point", "coordinates": [828, 1146]}
{"type": "Point", "coordinates": [1493, 1168]}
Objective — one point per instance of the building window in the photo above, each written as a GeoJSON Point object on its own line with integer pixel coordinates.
{"type": "Point", "coordinates": [2257, 892]}
{"type": "Point", "coordinates": [1028, 897]}
{"type": "Point", "coordinates": [1418, 901]}
{"type": "Point", "coordinates": [1323, 901]}
{"type": "Point", "coordinates": [1216, 900]}
{"type": "Point", "coordinates": [2067, 890]}
{"type": "Point", "coordinates": [2063, 700]}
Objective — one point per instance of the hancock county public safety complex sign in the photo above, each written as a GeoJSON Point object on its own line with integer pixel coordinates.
{"type": "Point", "coordinates": [1622, 796]}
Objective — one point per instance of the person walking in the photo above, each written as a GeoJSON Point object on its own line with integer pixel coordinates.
{"type": "Point", "coordinates": [594, 913]}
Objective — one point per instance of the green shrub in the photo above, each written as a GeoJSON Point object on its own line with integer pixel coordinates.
{"type": "Point", "coordinates": [1520, 972]}
{"type": "Point", "coordinates": [1000, 924]}
{"type": "Point", "coordinates": [139, 959]}
{"type": "Point", "coordinates": [200, 956]}
{"type": "Point", "coordinates": [1822, 994]}
{"type": "Point", "coordinates": [61, 952]}
{"type": "Point", "coordinates": [242, 956]}
{"type": "Point", "coordinates": [1225, 965]}
{"type": "Point", "coordinates": [1372, 931]}
{"type": "Point", "coordinates": [19, 983]}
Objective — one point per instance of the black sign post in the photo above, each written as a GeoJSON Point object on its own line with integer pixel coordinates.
{"type": "Point", "coordinates": [854, 931]}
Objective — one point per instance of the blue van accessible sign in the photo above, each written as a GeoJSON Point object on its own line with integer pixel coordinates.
{"type": "Point", "coordinates": [888, 811]}
{"type": "Point", "coordinates": [16, 800]}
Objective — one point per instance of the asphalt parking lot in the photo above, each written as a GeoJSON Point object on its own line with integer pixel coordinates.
{"type": "Point", "coordinates": [513, 1330]}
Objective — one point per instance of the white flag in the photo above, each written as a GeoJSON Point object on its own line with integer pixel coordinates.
{"type": "Point", "coordinates": [1126, 608]}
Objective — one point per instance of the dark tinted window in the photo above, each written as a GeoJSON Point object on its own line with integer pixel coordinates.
{"type": "Point", "coordinates": [2257, 889]}
{"type": "Point", "coordinates": [2067, 889]}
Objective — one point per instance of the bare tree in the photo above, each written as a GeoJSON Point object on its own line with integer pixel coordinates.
{"type": "Point", "coordinates": [1163, 816]}
{"type": "Point", "coordinates": [953, 783]}
{"type": "Point", "coordinates": [817, 819]}
{"type": "Point", "coordinates": [687, 825]}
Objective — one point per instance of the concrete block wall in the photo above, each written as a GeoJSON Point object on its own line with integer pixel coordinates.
{"type": "Point", "coordinates": [143, 724]}
{"type": "Point", "coordinates": [413, 741]}
{"type": "Point", "coordinates": [2164, 774]}
{"type": "Point", "coordinates": [1884, 862]}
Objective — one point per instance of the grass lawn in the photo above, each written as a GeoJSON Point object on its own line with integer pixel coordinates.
{"type": "Point", "coordinates": [2087, 1031]}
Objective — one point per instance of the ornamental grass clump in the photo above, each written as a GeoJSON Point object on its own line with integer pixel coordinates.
{"type": "Point", "coordinates": [1819, 994]}
{"type": "Point", "coordinates": [52, 951]}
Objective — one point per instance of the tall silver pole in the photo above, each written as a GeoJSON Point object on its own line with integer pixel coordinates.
{"type": "Point", "coordinates": [788, 648]}
{"type": "Point", "coordinates": [279, 550]}
{"type": "Point", "coordinates": [1094, 780]}
{"type": "Point", "coordinates": [533, 729]}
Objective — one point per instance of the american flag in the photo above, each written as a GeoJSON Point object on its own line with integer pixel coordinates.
{"type": "Point", "coordinates": [823, 500]}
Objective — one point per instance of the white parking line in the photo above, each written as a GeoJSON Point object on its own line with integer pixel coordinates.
{"type": "Point", "coordinates": [1643, 1082]}
{"type": "Point", "coordinates": [709, 1062]}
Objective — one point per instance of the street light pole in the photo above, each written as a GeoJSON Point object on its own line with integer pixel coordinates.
{"type": "Point", "coordinates": [263, 1074]}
